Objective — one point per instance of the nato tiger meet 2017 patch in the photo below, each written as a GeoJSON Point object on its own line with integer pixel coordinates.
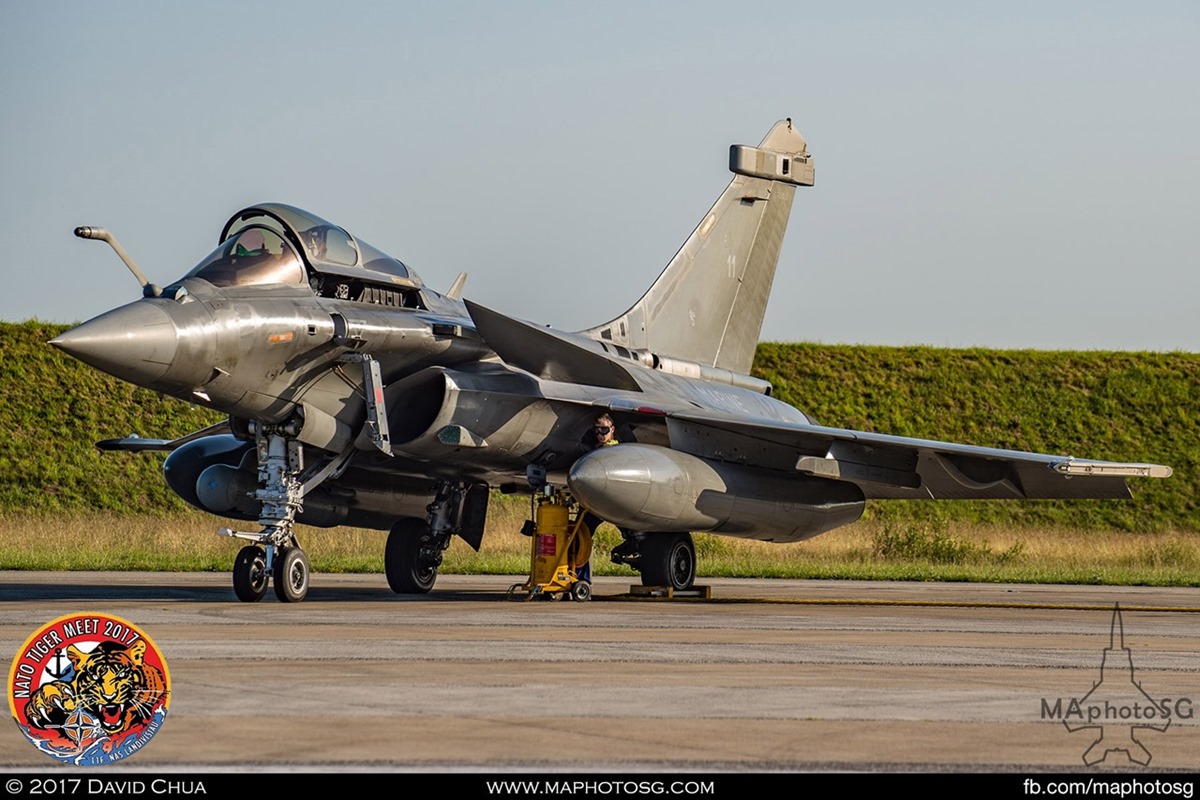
{"type": "Point", "coordinates": [89, 689]}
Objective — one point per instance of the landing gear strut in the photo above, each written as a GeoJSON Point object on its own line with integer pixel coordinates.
{"type": "Point", "coordinates": [274, 554]}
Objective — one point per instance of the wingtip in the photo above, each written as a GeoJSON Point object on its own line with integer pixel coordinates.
{"type": "Point", "coordinates": [1072, 467]}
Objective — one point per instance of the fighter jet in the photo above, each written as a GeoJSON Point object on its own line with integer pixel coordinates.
{"type": "Point", "coordinates": [358, 395]}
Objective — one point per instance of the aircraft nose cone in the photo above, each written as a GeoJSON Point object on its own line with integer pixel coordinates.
{"type": "Point", "coordinates": [135, 343]}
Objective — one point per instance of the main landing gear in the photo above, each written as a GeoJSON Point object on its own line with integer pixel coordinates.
{"type": "Point", "coordinates": [274, 555]}
{"type": "Point", "coordinates": [415, 546]}
{"type": "Point", "coordinates": [663, 559]}
{"type": "Point", "coordinates": [411, 557]}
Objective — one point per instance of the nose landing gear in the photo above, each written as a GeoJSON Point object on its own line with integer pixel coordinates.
{"type": "Point", "coordinates": [256, 566]}
{"type": "Point", "coordinates": [274, 554]}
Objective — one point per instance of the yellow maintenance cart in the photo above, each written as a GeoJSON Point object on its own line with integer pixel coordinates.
{"type": "Point", "coordinates": [562, 545]}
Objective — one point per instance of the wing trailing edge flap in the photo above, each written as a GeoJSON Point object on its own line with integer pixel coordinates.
{"type": "Point", "coordinates": [550, 354]}
{"type": "Point", "coordinates": [136, 444]}
{"type": "Point", "coordinates": [887, 466]}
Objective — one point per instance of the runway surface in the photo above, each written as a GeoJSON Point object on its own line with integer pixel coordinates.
{"type": "Point", "coordinates": [767, 675]}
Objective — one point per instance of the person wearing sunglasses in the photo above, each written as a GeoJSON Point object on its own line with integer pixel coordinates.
{"type": "Point", "coordinates": [602, 434]}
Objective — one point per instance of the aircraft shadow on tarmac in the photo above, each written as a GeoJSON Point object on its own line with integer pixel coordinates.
{"type": "Point", "coordinates": [96, 591]}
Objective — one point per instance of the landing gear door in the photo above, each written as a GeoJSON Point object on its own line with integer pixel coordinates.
{"type": "Point", "coordinates": [473, 516]}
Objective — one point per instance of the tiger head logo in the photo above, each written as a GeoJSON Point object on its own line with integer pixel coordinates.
{"type": "Point", "coordinates": [112, 683]}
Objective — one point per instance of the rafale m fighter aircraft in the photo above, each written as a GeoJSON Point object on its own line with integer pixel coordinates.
{"type": "Point", "coordinates": [357, 395]}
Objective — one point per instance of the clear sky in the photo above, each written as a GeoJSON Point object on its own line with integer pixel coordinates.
{"type": "Point", "coordinates": [1002, 174]}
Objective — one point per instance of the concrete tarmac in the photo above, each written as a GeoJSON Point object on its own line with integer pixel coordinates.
{"type": "Point", "coordinates": [768, 675]}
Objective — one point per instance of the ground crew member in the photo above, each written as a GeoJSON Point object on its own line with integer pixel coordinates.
{"type": "Point", "coordinates": [603, 434]}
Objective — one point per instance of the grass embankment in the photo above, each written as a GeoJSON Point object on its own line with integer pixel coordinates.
{"type": "Point", "coordinates": [1102, 405]}
{"type": "Point", "coordinates": [53, 409]}
{"type": "Point", "coordinates": [64, 505]}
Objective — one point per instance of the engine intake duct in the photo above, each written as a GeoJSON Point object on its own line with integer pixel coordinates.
{"type": "Point", "coordinates": [481, 418]}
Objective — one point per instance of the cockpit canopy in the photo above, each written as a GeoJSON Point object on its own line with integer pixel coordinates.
{"type": "Point", "coordinates": [255, 255]}
{"type": "Point", "coordinates": [277, 243]}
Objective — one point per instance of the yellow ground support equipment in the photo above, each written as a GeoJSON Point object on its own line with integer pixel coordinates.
{"type": "Point", "coordinates": [562, 544]}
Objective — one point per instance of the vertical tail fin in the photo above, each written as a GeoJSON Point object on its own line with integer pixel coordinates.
{"type": "Point", "coordinates": [708, 304]}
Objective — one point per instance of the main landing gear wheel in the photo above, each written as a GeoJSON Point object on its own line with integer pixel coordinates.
{"type": "Point", "coordinates": [250, 574]}
{"type": "Point", "coordinates": [668, 559]}
{"type": "Point", "coordinates": [291, 574]}
{"type": "Point", "coordinates": [407, 572]}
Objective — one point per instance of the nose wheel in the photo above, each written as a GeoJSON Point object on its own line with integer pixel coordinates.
{"type": "Point", "coordinates": [250, 574]}
{"type": "Point", "coordinates": [290, 574]}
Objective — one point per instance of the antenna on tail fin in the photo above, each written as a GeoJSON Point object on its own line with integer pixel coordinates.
{"type": "Point", "coordinates": [708, 304]}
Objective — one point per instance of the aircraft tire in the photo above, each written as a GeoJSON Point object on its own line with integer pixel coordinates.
{"type": "Point", "coordinates": [250, 574]}
{"type": "Point", "coordinates": [401, 558]}
{"type": "Point", "coordinates": [668, 559]}
{"type": "Point", "coordinates": [291, 575]}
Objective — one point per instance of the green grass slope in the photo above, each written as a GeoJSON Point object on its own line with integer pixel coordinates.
{"type": "Point", "coordinates": [1121, 406]}
{"type": "Point", "coordinates": [53, 409]}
